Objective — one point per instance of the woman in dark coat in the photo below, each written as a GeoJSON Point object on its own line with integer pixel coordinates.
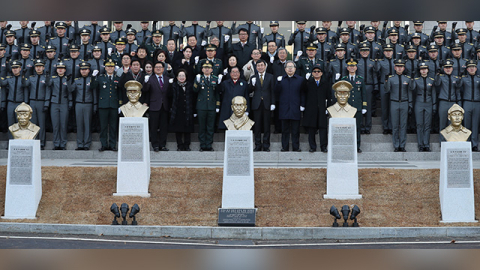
{"type": "Point", "coordinates": [235, 86]}
{"type": "Point", "coordinates": [187, 63]}
{"type": "Point", "coordinates": [318, 98]}
{"type": "Point", "coordinates": [181, 113]}
{"type": "Point", "coordinates": [232, 62]}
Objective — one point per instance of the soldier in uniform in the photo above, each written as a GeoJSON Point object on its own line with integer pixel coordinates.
{"type": "Point", "coordinates": [60, 41]}
{"type": "Point", "coordinates": [27, 63]}
{"type": "Point", "coordinates": [306, 63]}
{"type": "Point", "coordinates": [378, 33]}
{"type": "Point", "coordinates": [299, 38]}
{"type": "Point", "coordinates": [424, 39]}
{"type": "Point", "coordinates": [422, 52]}
{"type": "Point", "coordinates": [86, 46]}
{"type": "Point", "coordinates": [208, 102]}
{"type": "Point", "coordinates": [37, 51]}
{"type": "Point", "coordinates": [472, 35]}
{"type": "Point", "coordinates": [400, 104]}
{"type": "Point", "coordinates": [60, 104]}
{"type": "Point", "coordinates": [325, 49]}
{"type": "Point", "coordinates": [116, 56]}
{"type": "Point", "coordinates": [398, 50]}
{"type": "Point", "coordinates": [11, 48]}
{"type": "Point", "coordinates": [3, 61]}
{"type": "Point", "coordinates": [468, 49]}
{"type": "Point", "coordinates": [171, 31]}
{"type": "Point", "coordinates": [215, 62]}
{"type": "Point", "coordinates": [350, 48]}
{"type": "Point", "coordinates": [443, 50]}
{"type": "Point", "coordinates": [105, 44]}
{"type": "Point", "coordinates": [358, 96]}
{"type": "Point", "coordinates": [338, 65]}
{"type": "Point", "coordinates": [144, 35]}
{"type": "Point", "coordinates": [108, 102]}
{"type": "Point", "coordinates": [46, 32]}
{"type": "Point", "coordinates": [355, 35]}
{"type": "Point", "coordinates": [131, 48]}
{"type": "Point", "coordinates": [97, 63]}
{"type": "Point", "coordinates": [51, 61]}
{"type": "Point", "coordinates": [22, 34]}
{"type": "Point", "coordinates": [73, 63]}
{"type": "Point", "coordinates": [402, 32]}
{"type": "Point", "coordinates": [366, 67]}
{"type": "Point", "coordinates": [443, 31]}
{"type": "Point", "coordinates": [13, 91]}
{"type": "Point", "coordinates": [156, 44]}
{"type": "Point", "coordinates": [375, 47]}
{"type": "Point", "coordinates": [411, 69]}
{"type": "Point", "coordinates": [85, 104]}
{"type": "Point", "coordinates": [195, 30]}
{"type": "Point", "coordinates": [39, 95]}
{"type": "Point", "coordinates": [274, 35]}
{"type": "Point", "coordinates": [471, 101]}
{"type": "Point", "coordinates": [254, 31]}
{"type": "Point", "coordinates": [331, 35]}
{"type": "Point", "coordinates": [118, 32]}
{"type": "Point", "coordinates": [94, 29]}
{"type": "Point", "coordinates": [459, 63]}
{"type": "Point", "coordinates": [71, 31]}
{"type": "Point", "coordinates": [425, 105]}
{"type": "Point", "coordinates": [385, 68]}
{"type": "Point", "coordinates": [448, 93]}
{"type": "Point", "coordinates": [224, 34]}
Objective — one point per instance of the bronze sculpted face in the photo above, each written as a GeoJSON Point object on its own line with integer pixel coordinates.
{"type": "Point", "coordinates": [342, 97]}
{"type": "Point", "coordinates": [134, 95]}
{"type": "Point", "coordinates": [456, 118]}
{"type": "Point", "coordinates": [239, 106]}
{"type": "Point", "coordinates": [23, 118]}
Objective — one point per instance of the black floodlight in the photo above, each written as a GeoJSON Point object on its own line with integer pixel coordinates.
{"type": "Point", "coordinates": [114, 210]}
{"type": "Point", "coordinates": [345, 212]}
{"type": "Point", "coordinates": [135, 210]}
{"type": "Point", "coordinates": [124, 209]}
{"type": "Point", "coordinates": [353, 216]}
{"type": "Point", "coordinates": [334, 212]}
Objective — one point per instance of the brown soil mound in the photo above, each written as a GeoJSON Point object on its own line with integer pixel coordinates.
{"type": "Point", "coordinates": [284, 197]}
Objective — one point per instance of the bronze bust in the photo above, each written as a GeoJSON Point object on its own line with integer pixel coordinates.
{"type": "Point", "coordinates": [239, 120]}
{"type": "Point", "coordinates": [455, 132]}
{"type": "Point", "coordinates": [133, 108]}
{"type": "Point", "coordinates": [24, 129]}
{"type": "Point", "coordinates": [342, 109]}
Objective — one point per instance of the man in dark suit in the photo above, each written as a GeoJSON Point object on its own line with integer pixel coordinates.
{"type": "Point", "coordinates": [133, 73]}
{"type": "Point", "coordinates": [172, 54]}
{"type": "Point", "coordinates": [242, 49]}
{"type": "Point", "coordinates": [156, 92]}
{"type": "Point", "coordinates": [291, 92]}
{"type": "Point", "coordinates": [263, 101]}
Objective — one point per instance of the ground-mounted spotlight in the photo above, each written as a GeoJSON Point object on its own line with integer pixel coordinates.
{"type": "Point", "coordinates": [345, 212]}
{"type": "Point", "coordinates": [124, 209]}
{"type": "Point", "coordinates": [353, 216]}
{"type": "Point", "coordinates": [135, 210]}
{"type": "Point", "coordinates": [334, 212]}
{"type": "Point", "coordinates": [114, 210]}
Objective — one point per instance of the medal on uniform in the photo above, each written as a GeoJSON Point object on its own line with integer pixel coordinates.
{"type": "Point", "coordinates": [104, 86]}
{"type": "Point", "coordinates": [241, 83]}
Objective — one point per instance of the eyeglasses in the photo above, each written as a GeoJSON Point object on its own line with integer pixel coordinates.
{"type": "Point", "coordinates": [316, 71]}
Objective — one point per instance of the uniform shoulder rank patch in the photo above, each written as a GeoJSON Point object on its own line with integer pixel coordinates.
{"type": "Point", "coordinates": [407, 76]}
{"type": "Point", "coordinates": [360, 77]}
{"type": "Point", "coordinates": [54, 76]}
{"type": "Point", "coordinates": [390, 76]}
{"type": "Point", "coordinates": [8, 77]}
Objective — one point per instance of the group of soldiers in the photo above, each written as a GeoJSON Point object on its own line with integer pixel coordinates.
{"type": "Point", "coordinates": [73, 77]}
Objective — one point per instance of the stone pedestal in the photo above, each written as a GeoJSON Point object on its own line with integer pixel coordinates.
{"type": "Point", "coordinates": [238, 193]}
{"type": "Point", "coordinates": [456, 182]}
{"type": "Point", "coordinates": [133, 167]}
{"type": "Point", "coordinates": [342, 164]}
{"type": "Point", "coordinates": [24, 179]}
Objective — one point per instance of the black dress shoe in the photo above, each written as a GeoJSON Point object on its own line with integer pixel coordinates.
{"type": "Point", "coordinates": [79, 149]}
{"type": "Point", "coordinates": [421, 149]}
{"type": "Point", "coordinates": [359, 150]}
{"type": "Point", "coordinates": [475, 148]}
{"type": "Point", "coordinates": [396, 149]}
{"type": "Point", "coordinates": [312, 150]}
{"type": "Point", "coordinates": [362, 131]}
{"type": "Point", "coordinates": [156, 149]}
{"type": "Point", "coordinates": [201, 150]}
{"type": "Point", "coordinates": [402, 149]}
{"type": "Point", "coordinates": [86, 148]}
{"type": "Point", "coordinates": [367, 131]}
{"type": "Point", "coordinates": [324, 150]}
{"type": "Point", "coordinates": [164, 149]}
{"type": "Point", "coordinates": [385, 132]}
{"type": "Point", "coordinates": [209, 149]}
{"type": "Point", "coordinates": [297, 150]}
{"type": "Point", "coordinates": [42, 147]}
{"type": "Point", "coordinates": [102, 149]}
{"type": "Point", "coordinates": [427, 149]}
{"type": "Point", "coordinates": [114, 149]}
{"type": "Point", "coordinates": [284, 150]}
{"type": "Point", "coordinates": [187, 149]}
{"type": "Point", "coordinates": [258, 148]}
{"type": "Point", "coordinates": [266, 149]}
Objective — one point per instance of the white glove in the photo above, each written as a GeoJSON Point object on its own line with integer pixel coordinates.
{"type": "Point", "coordinates": [116, 68]}
{"type": "Point", "coordinates": [170, 80]}
{"type": "Point", "coordinates": [326, 112]}
{"type": "Point", "coordinates": [246, 113]}
{"type": "Point", "coordinates": [262, 30]}
{"type": "Point", "coordinates": [220, 76]}
{"type": "Point", "coordinates": [337, 76]}
{"type": "Point", "coordinates": [217, 110]}
{"type": "Point", "coordinates": [307, 76]}
{"type": "Point", "coordinates": [227, 37]}
{"type": "Point", "coordinates": [364, 111]}
{"type": "Point", "coordinates": [198, 77]}
{"type": "Point", "coordinates": [194, 115]}
{"type": "Point", "coordinates": [225, 71]}
{"type": "Point", "coordinates": [147, 77]}
{"type": "Point", "coordinates": [299, 53]}
{"type": "Point", "coordinates": [254, 81]}
{"type": "Point", "coordinates": [272, 58]}
{"type": "Point", "coordinates": [272, 107]}
{"type": "Point", "coordinates": [110, 50]}
{"type": "Point", "coordinates": [302, 108]}
{"type": "Point", "coordinates": [279, 78]}
{"type": "Point", "coordinates": [95, 73]}
{"type": "Point", "coordinates": [119, 111]}
{"type": "Point", "coordinates": [196, 59]}
{"type": "Point", "coordinates": [204, 42]}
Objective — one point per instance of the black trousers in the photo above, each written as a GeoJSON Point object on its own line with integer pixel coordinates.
{"type": "Point", "coordinates": [183, 140]}
{"type": "Point", "coordinates": [290, 127]}
{"type": "Point", "coordinates": [323, 138]}
{"type": "Point", "coordinates": [158, 120]}
{"type": "Point", "coordinates": [262, 122]}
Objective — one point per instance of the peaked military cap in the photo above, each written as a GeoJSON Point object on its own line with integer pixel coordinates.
{"type": "Point", "coordinates": [3, 46]}
{"type": "Point", "coordinates": [207, 64]}
{"type": "Point", "coordinates": [416, 35]}
{"type": "Point", "coordinates": [441, 21]}
{"type": "Point", "coordinates": [74, 47]}
{"type": "Point", "coordinates": [105, 30]}
{"type": "Point", "coordinates": [156, 33]}
{"type": "Point", "coordinates": [342, 86]}
{"type": "Point", "coordinates": [411, 48]}
{"type": "Point", "coordinates": [370, 29]}
{"type": "Point", "coordinates": [50, 48]}
{"type": "Point", "coordinates": [344, 31]}
{"type": "Point", "coordinates": [364, 46]}
{"type": "Point", "coordinates": [9, 33]}
{"type": "Point", "coordinates": [39, 62]}
{"type": "Point", "coordinates": [388, 47]}
{"type": "Point", "coordinates": [461, 31]}
{"type": "Point", "coordinates": [85, 32]}
{"type": "Point", "coordinates": [471, 63]}
{"type": "Point", "coordinates": [120, 41]}
{"type": "Point", "coordinates": [301, 22]}
{"type": "Point", "coordinates": [312, 46]}
{"type": "Point", "coordinates": [16, 64]}
{"type": "Point", "coordinates": [61, 65]}
{"type": "Point", "coordinates": [211, 47]}
{"type": "Point", "coordinates": [109, 63]}
{"type": "Point", "coordinates": [339, 47]}
{"type": "Point", "coordinates": [438, 34]}
{"type": "Point", "coordinates": [25, 47]}
{"type": "Point", "coordinates": [34, 33]}
{"type": "Point", "coordinates": [432, 48]}
{"type": "Point", "coordinates": [96, 48]}
{"type": "Point", "coordinates": [393, 32]}
{"type": "Point", "coordinates": [417, 22]}
{"type": "Point", "coordinates": [321, 30]}
{"type": "Point", "coordinates": [274, 23]}
{"type": "Point", "coordinates": [448, 63]}
{"type": "Point", "coordinates": [85, 65]}
{"type": "Point", "coordinates": [399, 62]}
{"type": "Point", "coordinates": [61, 25]}
{"type": "Point", "coordinates": [131, 31]}
{"type": "Point", "coordinates": [422, 65]}
{"type": "Point", "coordinates": [352, 62]}
{"type": "Point", "coordinates": [456, 46]}
{"type": "Point", "coordinates": [318, 66]}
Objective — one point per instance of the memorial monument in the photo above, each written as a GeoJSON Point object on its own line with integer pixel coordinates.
{"type": "Point", "coordinates": [342, 163]}
{"type": "Point", "coordinates": [238, 192]}
{"type": "Point", "coordinates": [456, 172]}
{"type": "Point", "coordinates": [133, 166]}
{"type": "Point", "coordinates": [24, 175]}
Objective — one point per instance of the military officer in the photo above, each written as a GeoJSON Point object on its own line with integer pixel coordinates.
{"type": "Point", "coordinates": [422, 52]}
{"type": "Point", "coordinates": [274, 35]}
{"type": "Point", "coordinates": [130, 46]}
{"type": "Point", "coordinates": [85, 103]}
{"type": "Point", "coordinates": [109, 100]}
{"type": "Point", "coordinates": [401, 32]}
{"type": "Point", "coordinates": [358, 96]}
{"type": "Point", "coordinates": [433, 61]}
{"type": "Point", "coordinates": [144, 35]}
{"type": "Point", "coordinates": [350, 48]}
{"type": "Point", "coordinates": [472, 35]}
{"type": "Point", "coordinates": [443, 50]}
{"type": "Point", "coordinates": [51, 61]}
{"type": "Point", "coordinates": [71, 31]}
{"type": "Point", "coordinates": [375, 48]}
{"type": "Point", "coordinates": [459, 63]}
{"type": "Point", "coordinates": [398, 49]}
{"type": "Point", "coordinates": [468, 49]}
{"type": "Point", "coordinates": [60, 41]}
{"type": "Point", "coordinates": [198, 31]}
{"type": "Point", "coordinates": [224, 33]}
{"type": "Point", "coordinates": [120, 45]}
{"type": "Point", "coordinates": [46, 32]}
{"type": "Point", "coordinates": [443, 31]}
{"type": "Point", "coordinates": [170, 31]}
{"type": "Point", "coordinates": [400, 104]}
{"type": "Point", "coordinates": [27, 62]}
{"type": "Point", "coordinates": [338, 65]}
{"type": "Point", "coordinates": [306, 63]}
{"type": "Point", "coordinates": [118, 32]}
{"type": "Point", "coordinates": [73, 63]}
{"type": "Point", "coordinates": [208, 102]}
{"type": "Point", "coordinates": [3, 61]}
{"type": "Point", "coordinates": [60, 104]}
{"type": "Point", "coordinates": [425, 105]}
{"type": "Point", "coordinates": [366, 68]}
{"type": "Point", "coordinates": [471, 101]}
{"type": "Point", "coordinates": [97, 63]}
{"type": "Point", "coordinates": [39, 94]}
{"type": "Point", "coordinates": [37, 51]}
{"type": "Point", "coordinates": [215, 62]}
{"type": "Point", "coordinates": [94, 29]}
{"type": "Point", "coordinates": [22, 34]}
{"type": "Point", "coordinates": [299, 38]}
{"type": "Point", "coordinates": [326, 49]}
{"type": "Point", "coordinates": [355, 35]}
{"type": "Point", "coordinates": [448, 93]}
{"type": "Point", "coordinates": [107, 46]}
{"type": "Point", "coordinates": [411, 69]}
{"type": "Point", "coordinates": [12, 49]}
{"type": "Point", "coordinates": [385, 68]}
{"type": "Point", "coordinates": [86, 47]}
{"type": "Point", "coordinates": [156, 44]}
{"type": "Point", "coordinates": [378, 33]}
{"type": "Point", "coordinates": [331, 35]}
{"type": "Point", "coordinates": [424, 39]}
{"type": "Point", "coordinates": [254, 31]}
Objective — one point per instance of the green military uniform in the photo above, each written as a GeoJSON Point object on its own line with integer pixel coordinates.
{"type": "Point", "coordinates": [108, 102]}
{"type": "Point", "coordinates": [208, 101]}
{"type": "Point", "coordinates": [152, 47]}
{"type": "Point", "coordinates": [216, 65]}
